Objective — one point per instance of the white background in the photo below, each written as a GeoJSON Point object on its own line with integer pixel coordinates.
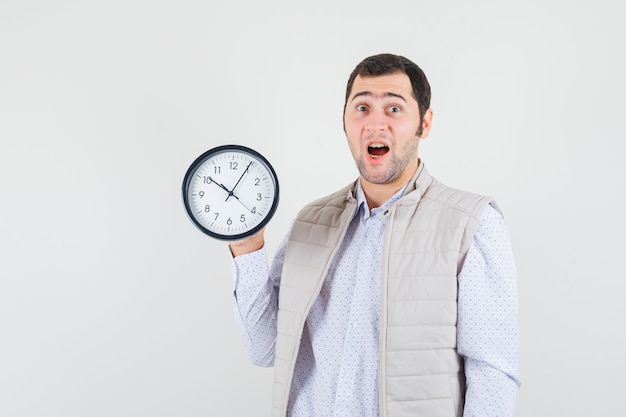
{"type": "Point", "coordinates": [113, 304]}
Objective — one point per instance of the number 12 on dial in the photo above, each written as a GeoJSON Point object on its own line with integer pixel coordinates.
{"type": "Point", "coordinates": [230, 192]}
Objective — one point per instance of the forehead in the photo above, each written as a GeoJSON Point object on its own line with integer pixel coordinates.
{"type": "Point", "coordinates": [383, 85]}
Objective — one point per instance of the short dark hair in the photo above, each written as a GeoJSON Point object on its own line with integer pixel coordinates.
{"type": "Point", "coordinates": [385, 64]}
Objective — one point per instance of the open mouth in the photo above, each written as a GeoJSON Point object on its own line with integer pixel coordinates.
{"type": "Point", "coordinates": [377, 150]}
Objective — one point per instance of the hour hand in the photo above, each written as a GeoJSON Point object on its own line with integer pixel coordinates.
{"type": "Point", "coordinates": [222, 186]}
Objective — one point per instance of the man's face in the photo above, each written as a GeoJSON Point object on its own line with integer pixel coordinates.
{"type": "Point", "coordinates": [382, 119]}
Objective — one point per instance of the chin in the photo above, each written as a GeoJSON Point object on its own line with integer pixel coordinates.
{"type": "Point", "coordinates": [378, 178]}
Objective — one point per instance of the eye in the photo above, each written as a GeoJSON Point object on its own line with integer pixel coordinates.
{"type": "Point", "coordinates": [361, 107]}
{"type": "Point", "coordinates": [394, 109]}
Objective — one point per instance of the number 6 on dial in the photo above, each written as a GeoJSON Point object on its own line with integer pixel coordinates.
{"type": "Point", "coordinates": [230, 192]}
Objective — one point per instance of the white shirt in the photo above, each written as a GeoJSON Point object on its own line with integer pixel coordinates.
{"type": "Point", "coordinates": [336, 371]}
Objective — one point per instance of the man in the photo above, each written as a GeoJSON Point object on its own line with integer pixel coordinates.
{"type": "Point", "coordinates": [395, 296]}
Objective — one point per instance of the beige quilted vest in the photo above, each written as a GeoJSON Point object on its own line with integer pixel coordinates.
{"type": "Point", "coordinates": [428, 233]}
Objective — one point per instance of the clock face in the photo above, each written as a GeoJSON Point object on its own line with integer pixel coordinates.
{"type": "Point", "coordinates": [230, 192]}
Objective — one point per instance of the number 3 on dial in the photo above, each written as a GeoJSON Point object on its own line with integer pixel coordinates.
{"type": "Point", "coordinates": [230, 192]}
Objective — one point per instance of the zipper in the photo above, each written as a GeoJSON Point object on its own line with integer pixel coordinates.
{"type": "Point", "coordinates": [316, 294]}
{"type": "Point", "coordinates": [382, 336]}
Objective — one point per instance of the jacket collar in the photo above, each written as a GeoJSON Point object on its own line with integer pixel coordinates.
{"type": "Point", "coordinates": [418, 185]}
{"type": "Point", "coordinates": [414, 190]}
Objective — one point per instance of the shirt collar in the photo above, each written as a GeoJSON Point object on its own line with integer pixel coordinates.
{"type": "Point", "coordinates": [362, 203]}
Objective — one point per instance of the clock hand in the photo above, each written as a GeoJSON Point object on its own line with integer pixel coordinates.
{"type": "Point", "coordinates": [241, 202]}
{"type": "Point", "coordinates": [239, 180]}
{"type": "Point", "coordinates": [222, 186]}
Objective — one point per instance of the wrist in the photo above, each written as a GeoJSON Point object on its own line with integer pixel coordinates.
{"type": "Point", "coordinates": [247, 245]}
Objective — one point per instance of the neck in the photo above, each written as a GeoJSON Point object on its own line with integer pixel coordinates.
{"type": "Point", "coordinates": [377, 194]}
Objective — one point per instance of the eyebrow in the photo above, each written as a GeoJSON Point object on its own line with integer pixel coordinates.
{"type": "Point", "coordinates": [369, 94]}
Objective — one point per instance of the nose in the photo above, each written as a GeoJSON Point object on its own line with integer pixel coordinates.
{"type": "Point", "coordinates": [376, 122]}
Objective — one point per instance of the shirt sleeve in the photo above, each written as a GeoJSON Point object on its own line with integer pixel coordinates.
{"type": "Point", "coordinates": [255, 302]}
{"type": "Point", "coordinates": [487, 329]}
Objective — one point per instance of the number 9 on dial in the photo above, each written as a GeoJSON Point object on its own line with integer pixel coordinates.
{"type": "Point", "coordinates": [230, 192]}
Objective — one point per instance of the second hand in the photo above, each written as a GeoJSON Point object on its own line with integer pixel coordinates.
{"type": "Point", "coordinates": [222, 186]}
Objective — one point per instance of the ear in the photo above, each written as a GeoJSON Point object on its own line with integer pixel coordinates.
{"type": "Point", "coordinates": [426, 123]}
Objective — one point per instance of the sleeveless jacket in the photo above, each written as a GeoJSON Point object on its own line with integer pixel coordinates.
{"type": "Point", "coordinates": [427, 235]}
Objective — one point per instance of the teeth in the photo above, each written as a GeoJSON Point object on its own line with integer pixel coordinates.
{"type": "Point", "coordinates": [377, 150]}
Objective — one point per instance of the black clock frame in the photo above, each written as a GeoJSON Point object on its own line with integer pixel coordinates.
{"type": "Point", "coordinates": [209, 154]}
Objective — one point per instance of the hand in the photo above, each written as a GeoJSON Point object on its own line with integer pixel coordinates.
{"type": "Point", "coordinates": [233, 190]}
{"type": "Point", "coordinates": [240, 202]}
{"type": "Point", "coordinates": [222, 186]}
{"type": "Point", "coordinates": [247, 245]}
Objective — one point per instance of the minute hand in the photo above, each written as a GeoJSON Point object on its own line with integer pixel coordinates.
{"type": "Point", "coordinates": [238, 181]}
